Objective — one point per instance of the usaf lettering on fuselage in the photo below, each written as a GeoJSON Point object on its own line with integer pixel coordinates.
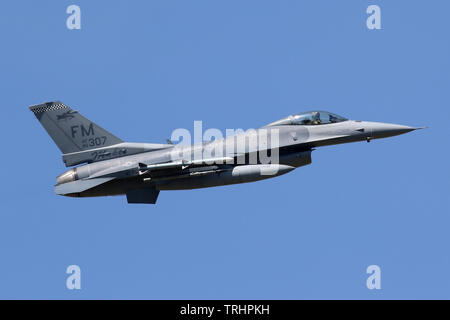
{"type": "Point", "coordinates": [76, 130]}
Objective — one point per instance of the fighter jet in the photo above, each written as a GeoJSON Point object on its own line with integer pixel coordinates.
{"type": "Point", "coordinates": [106, 165]}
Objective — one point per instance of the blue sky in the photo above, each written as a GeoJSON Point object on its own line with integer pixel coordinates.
{"type": "Point", "coordinates": [144, 68]}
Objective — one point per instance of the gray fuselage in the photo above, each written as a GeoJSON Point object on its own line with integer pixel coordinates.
{"type": "Point", "coordinates": [295, 143]}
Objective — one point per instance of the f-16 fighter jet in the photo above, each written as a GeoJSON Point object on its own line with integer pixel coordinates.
{"type": "Point", "coordinates": [109, 166]}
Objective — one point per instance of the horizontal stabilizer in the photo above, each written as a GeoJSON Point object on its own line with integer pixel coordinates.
{"type": "Point", "coordinates": [80, 185]}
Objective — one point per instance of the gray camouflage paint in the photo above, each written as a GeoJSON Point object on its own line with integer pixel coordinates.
{"type": "Point", "coordinates": [141, 170]}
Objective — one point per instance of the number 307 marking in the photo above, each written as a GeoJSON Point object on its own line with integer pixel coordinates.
{"type": "Point", "coordinates": [99, 141]}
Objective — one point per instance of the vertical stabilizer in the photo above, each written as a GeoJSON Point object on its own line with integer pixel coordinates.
{"type": "Point", "coordinates": [70, 130]}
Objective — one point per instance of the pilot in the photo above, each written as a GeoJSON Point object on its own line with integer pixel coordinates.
{"type": "Point", "coordinates": [316, 117]}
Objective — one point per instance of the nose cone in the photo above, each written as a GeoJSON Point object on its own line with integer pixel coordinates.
{"type": "Point", "coordinates": [384, 130]}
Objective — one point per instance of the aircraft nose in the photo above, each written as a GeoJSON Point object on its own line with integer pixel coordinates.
{"type": "Point", "coordinates": [384, 130]}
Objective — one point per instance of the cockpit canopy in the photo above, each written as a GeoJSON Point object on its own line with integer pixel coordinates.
{"type": "Point", "coordinates": [309, 118]}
